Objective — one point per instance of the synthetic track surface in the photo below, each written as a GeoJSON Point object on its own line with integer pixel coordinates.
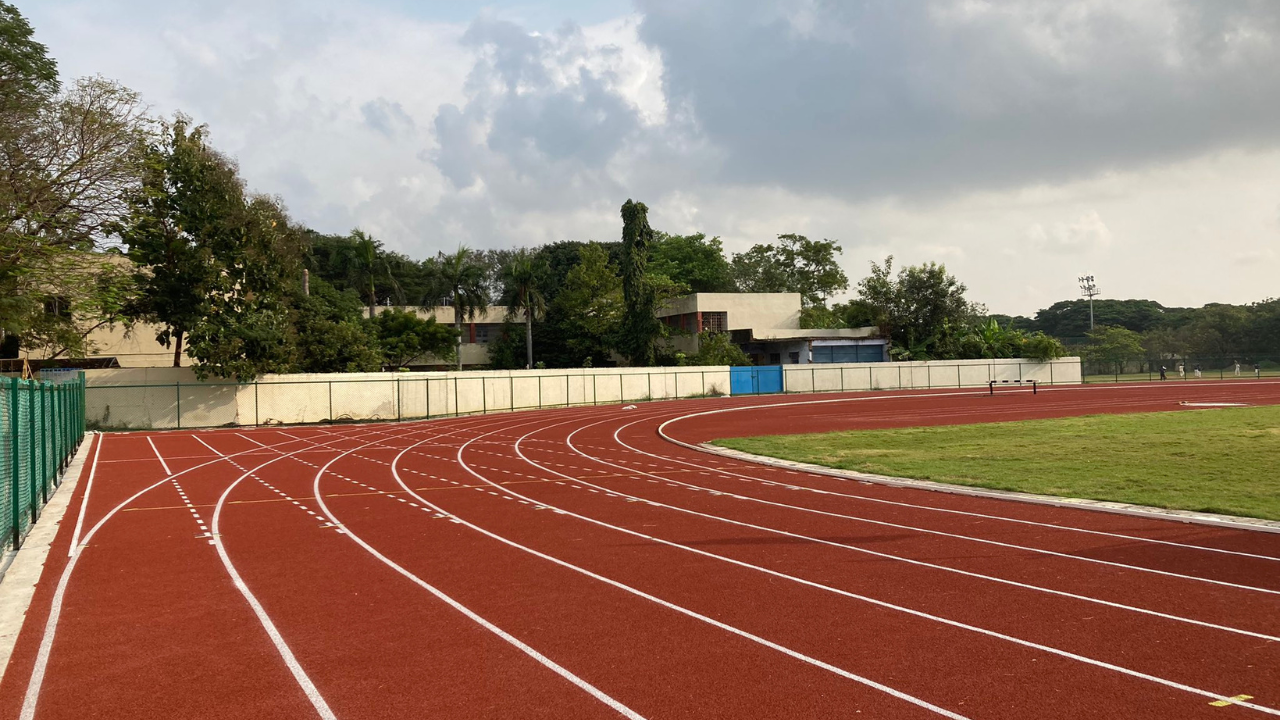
{"type": "Point", "coordinates": [582, 563]}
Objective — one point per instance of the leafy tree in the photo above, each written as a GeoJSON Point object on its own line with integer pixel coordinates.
{"type": "Point", "coordinates": [693, 261]}
{"type": "Point", "coordinates": [1113, 346]}
{"type": "Point", "coordinates": [70, 159]}
{"type": "Point", "coordinates": [795, 264]}
{"type": "Point", "coordinates": [640, 329]}
{"type": "Point", "coordinates": [588, 310]}
{"type": "Point", "coordinates": [405, 336]}
{"type": "Point", "coordinates": [331, 334]}
{"type": "Point", "coordinates": [211, 263]}
{"type": "Point", "coordinates": [1038, 346]}
{"type": "Point", "coordinates": [522, 277]}
{"type": "Point", "coordinates": [717, 348]}
{"type": "Point", "coordinates": [922, 309]}
{"type": "Point", "coordinates": [363, 263]}
{"type": "Point", "coordinates": [461, 277]}
{"type": "Point", "coordinates": [1070, 318]}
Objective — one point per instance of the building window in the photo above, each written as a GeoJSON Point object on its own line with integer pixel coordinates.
{"type": "Point", "coordinates": [715, 322]}
{"type": "Point", "coordinates": [794, 357]}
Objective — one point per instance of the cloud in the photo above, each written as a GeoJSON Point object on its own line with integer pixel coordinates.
{"type": "Point", "coordinates": [386, 117]}
{"type": "Point", "coordinates": [886, 98]}
{"type": "Point", "coordinates": [956, 130]}
{"type": "Point", "coordinates": [1082, 235]}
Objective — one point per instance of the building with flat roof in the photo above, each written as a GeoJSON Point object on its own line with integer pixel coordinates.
{"type": "Point", "coordinates": [767, 327]}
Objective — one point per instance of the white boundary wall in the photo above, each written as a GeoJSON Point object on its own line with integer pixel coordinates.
{"type": "Point", "coordinates": [173, 397]}
{"type": "Point", "coordinates": [161, 397]}
{"type": "Point", "coordinates": [841, 377]}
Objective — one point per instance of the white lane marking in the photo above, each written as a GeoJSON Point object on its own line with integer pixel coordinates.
{"type": "Point", "coordinates": [470, 614]}
{"type": "Point", "coordinates": [671, 606]}
{"type": "Point", "coordinates": [661, 430]}
{"type": "Point", "coordinates": [876, 553]}
{"type": "Point", "coordinates": [295, 668]}
{"type": "Point", "coordinates": [163, 464]}
{"type": "Point", "coordinates": [99, 439]}
{"type": "Point", "coordinates": [970, 538]}
{"type": "Point", "coordinates": [36, 681]}
{"type": "Point", "coordinates": [873, 601]}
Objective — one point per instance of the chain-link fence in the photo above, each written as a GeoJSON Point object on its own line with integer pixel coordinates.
{"type": "Point", "coordinates": [1182, 369]}
{"type": "Point", "coordinates": [41, 425]}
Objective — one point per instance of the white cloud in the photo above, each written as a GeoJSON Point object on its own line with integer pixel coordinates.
{"type": "Point", "coordinates": [1022, 143]}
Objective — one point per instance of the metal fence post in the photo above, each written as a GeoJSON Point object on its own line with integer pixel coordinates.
{"type": "Point", "coordinates": [539, 392]}
{"type": "Point", "coordinates": [16, 456]}
{"type": "Point", "coordinates": [177, 394]}
{"type": "Point", "coordinates": [648, 376]}
{"type": "Point", "coordinates": [511, 400]}
{"type": "Point", "coordinates": [1051, 364]}
{"type": "Point", "coordinates": [455, 398]}
{"type": "Point", "coordinates": [330, 383]}
{"type": "Point", "coordinates": [44, 452]}
{"type": "Point", "coordinates": [484, 400]}
{"type": "Point", "coordinates": [256, 415]}
{"type": "Point", "coordinates": [958, 375]}
{"type": "Point", "coordinates": [399, 407]}
{"type": "Point", "coordinates": [594, 394]}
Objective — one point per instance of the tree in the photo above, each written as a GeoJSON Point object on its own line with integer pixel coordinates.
{"type": "Point", "coordinates": [588, 309]}
{"type": "Point", "coordinates": [1113, 346]}
{"type": "Point", "coordinates": [640, 328]}
{"type": "Point", "coordinates": [693, 261]}
{"type": "Point", "coordinates": [717, 348]}
{"type": "Point", "coordinates": [405, 336]}
{"type": "Point", "coordinates": [522, 293]}
{"type": "Point", "coordinates": [70, 158]}
{"type": "Point", "coordinates": [363, 265]}
{"type": "Point", "coordinates": [211, 263]}
{"type": "Point", "coordinates": [331, 334]}
{"type": "Point", "coordinates": [796, 264]}
{"type": "Point", "coordinates": [922, 310]}
{"type": "Point", "coordinates": [461, 278]}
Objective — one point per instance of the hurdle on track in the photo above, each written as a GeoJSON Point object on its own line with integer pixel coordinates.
{"type": "Point", "coordinates": [991, 385]}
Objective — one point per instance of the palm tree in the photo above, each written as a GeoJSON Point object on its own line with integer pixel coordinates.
{"type": "Point", "coordinates": [521, 280]}
{"type": "Point", "coordinates": [461, 277]}
{"type": "Point", "coordinates": [363, 263]}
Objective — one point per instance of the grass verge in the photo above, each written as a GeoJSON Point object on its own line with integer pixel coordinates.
{"type": "Point", "coordinates": [1221, 460]}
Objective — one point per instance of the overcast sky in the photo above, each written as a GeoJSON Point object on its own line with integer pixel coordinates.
{"type": "Point", "coordinates": [1021, 143]}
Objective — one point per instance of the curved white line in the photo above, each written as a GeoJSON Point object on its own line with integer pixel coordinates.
{"type": "Point", "coordinates": [661, 430]}
{"type": "Point", "coordinates": [99, 440]}
{"type": "Point", "coordinates": [36, 681]}
{"type": "Point", "coordinates": [639, 593]}
{"type": "Point", "coordinates": [855, 548]}
{"type": "Point", "coordinates": [545, 661]}
{"type": "Point", "coordinates": [855, 596]}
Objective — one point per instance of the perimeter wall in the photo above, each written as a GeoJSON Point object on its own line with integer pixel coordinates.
{"type": "Point", "coordinates": [160, 398]}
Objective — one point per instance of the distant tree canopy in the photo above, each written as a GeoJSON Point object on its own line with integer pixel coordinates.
{"type": "Point", "coordinates": [794, 264]}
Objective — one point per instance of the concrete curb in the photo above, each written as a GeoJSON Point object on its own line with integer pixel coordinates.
{"type": "Point", "coordinates": [1187, 516]}
{"type": "Point", "coordinates": [18, 585]}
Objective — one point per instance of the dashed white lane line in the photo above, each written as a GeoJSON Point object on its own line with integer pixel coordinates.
{"type": "Point", "coordinates": [204, 528]}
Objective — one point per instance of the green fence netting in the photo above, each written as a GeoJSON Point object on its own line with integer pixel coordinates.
{"type": "Point", "coordinates": [41, 426]}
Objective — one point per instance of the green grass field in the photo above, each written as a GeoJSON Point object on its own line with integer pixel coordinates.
{"type": "Point", "coordinates": [1222, 460]}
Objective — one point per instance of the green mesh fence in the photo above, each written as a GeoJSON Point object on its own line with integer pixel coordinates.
{"type": "Point", "coordinates": [41, 425]}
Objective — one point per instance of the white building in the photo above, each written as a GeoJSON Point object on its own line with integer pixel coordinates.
{"type": "Point", "coordinates": [767, 327]}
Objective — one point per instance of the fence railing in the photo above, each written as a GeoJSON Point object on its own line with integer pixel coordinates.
{"type": "Point", "coordinates": [278, 400]}
{"type": "Point", "coordinates": [1182, 369]}
{"type": "Point", "coordinates": [41, 425]}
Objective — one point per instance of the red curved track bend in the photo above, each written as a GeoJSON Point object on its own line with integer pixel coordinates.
{"type": "Point", "coordinates": [578, 563]}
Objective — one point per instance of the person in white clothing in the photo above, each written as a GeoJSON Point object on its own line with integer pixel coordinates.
{"type": "Point", "coordinates": [1182, 370]}
{"type": "Point", "coordinates": [1237, 368]}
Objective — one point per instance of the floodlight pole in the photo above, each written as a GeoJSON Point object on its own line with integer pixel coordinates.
{"type": "Point", "coordinates": [1089, 290]}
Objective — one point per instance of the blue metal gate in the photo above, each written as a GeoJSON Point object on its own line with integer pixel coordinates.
{"type": "Point", "coordinates": [755, 380]}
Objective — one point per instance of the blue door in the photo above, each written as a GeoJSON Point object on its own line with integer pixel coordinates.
{"type": "Point", "coordinates": [755, 380]}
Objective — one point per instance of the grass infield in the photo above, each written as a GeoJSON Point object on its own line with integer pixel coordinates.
{"type": "Point", "coordinates": [1221, 460]}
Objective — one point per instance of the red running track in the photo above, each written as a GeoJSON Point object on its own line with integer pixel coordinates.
{"type": "Point", "coordinates": [593, 562]}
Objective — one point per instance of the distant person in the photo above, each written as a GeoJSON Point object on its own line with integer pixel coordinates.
{"type": "Point", "coordinates": [1182, 371]}
{"type": "Point", "coordinates": [1257, 370]}
{"type": "Point", "coordinates": [1162, 375]}
{"type": "Point", "coordinates": [1237, 368]}
{"type": "Point", "coordinates": [1197, 371]}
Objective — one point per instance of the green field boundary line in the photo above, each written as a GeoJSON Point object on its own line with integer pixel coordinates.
{"type": "Point", "coordinates": [1146, 511]}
